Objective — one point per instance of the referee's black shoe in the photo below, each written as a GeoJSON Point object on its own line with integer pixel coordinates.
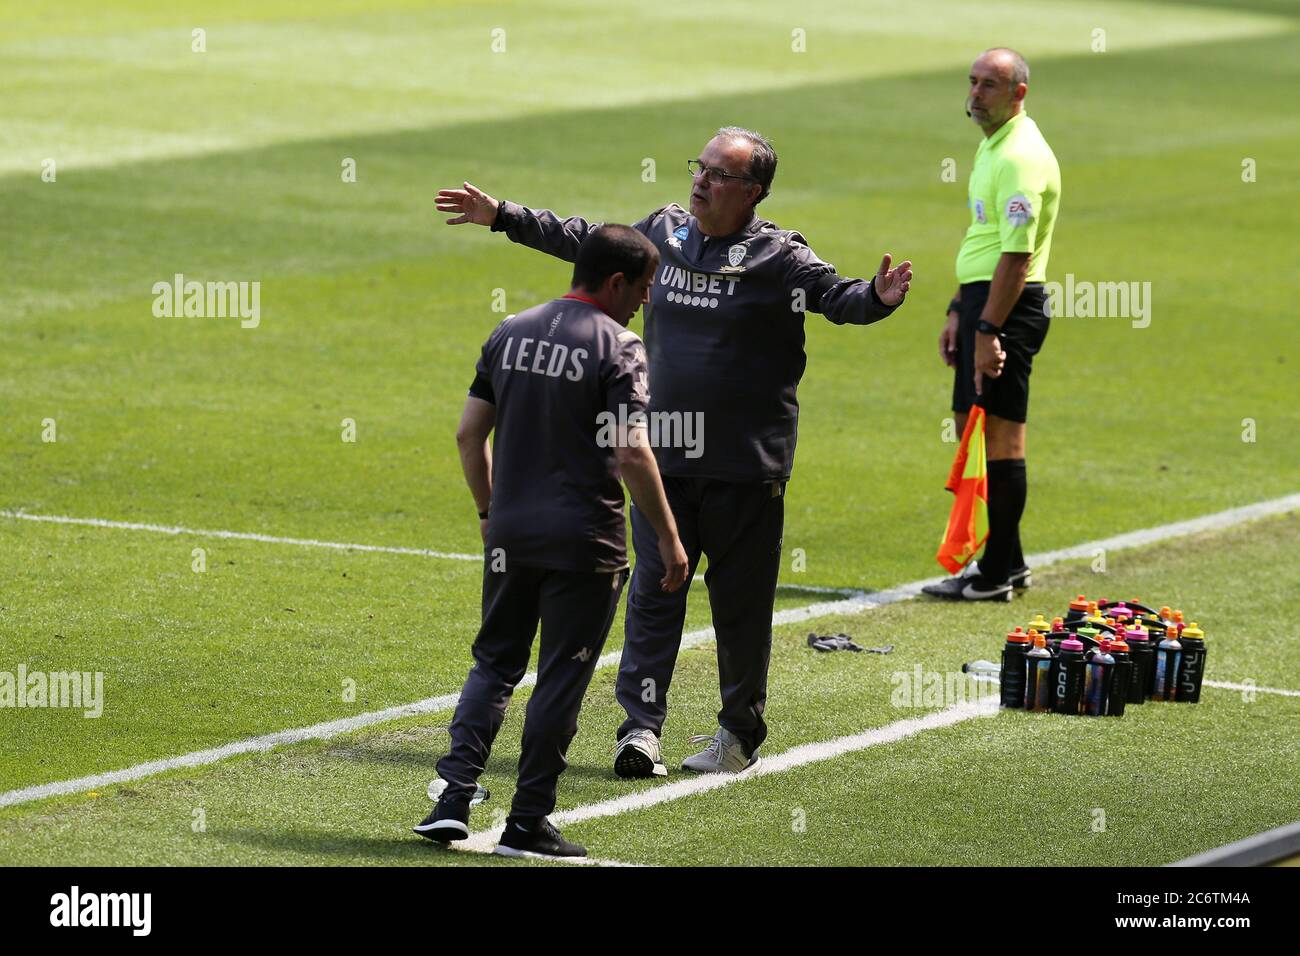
{"type": "Point", "coordinates": [535, 837]}
{"type": "Point", "coordinates": [447, 821]}
{"type": "Point", "coordinates": [1020, 577]}
{"type": "Point", "coordinates": [974, 587]}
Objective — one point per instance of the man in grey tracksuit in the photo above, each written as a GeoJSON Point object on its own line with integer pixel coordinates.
{"type": "Point", "coordinates": [725, 339]}
{"type": "Point", "coordinates": [563, 387]}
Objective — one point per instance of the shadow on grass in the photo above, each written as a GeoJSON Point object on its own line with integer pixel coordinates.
{"type": "Point", "coordinates": [332, 847]}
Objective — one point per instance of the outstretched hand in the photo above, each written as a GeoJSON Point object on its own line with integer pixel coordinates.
{"type": "Point", "coordinates": [471, 204]}
{"type": "Point", "coordinates": [892, 284]}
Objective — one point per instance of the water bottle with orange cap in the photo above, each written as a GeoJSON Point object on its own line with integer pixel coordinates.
{"type": "Point", "coordinates": [1012, 675]}
{"type": "Point", "coordinates": [1169, 654]}
{"type": "Point", "coordinates": [1121, 677]}
{"type": "Point", "coordinates": [1038, 674]}
{"type": "Point", "coordinates": [1078, 610]}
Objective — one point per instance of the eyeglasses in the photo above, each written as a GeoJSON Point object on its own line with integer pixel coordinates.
{"type": "Point", "coordinates": [712, 174]}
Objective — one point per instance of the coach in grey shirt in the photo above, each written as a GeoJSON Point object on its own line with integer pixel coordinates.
{"type": "Point", "coordinates": [725, 338]}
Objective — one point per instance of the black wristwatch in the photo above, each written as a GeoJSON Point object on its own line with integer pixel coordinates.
{"type": "Point", "coordinates": [954, 306]}
{"type": "Point", "coordinates": [482, 515]}
{"type": "Point", "coordinates": [988, 328]}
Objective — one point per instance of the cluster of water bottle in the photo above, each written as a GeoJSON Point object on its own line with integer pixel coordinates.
{"type": "Point", "coordinates": [1101, 657]}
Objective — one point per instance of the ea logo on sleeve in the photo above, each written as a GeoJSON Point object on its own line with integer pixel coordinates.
{"type": "Point", "coordinates": [1019, 211]}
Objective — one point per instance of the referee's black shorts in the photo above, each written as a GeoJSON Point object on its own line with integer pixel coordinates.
{"type": "Point", "coordinates": [1022, 336]}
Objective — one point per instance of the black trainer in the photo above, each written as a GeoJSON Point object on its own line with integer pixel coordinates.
{"type": "Point", "coordinates": [446, 822]}
{"type": "Point", "coordinates": [1019, 577]}
{"type": "Point", "coordinates": [537, 838]}
{"type": "Point", "coordinates": [974, 587]}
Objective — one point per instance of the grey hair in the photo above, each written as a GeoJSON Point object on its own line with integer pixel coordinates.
{"type": "Point", "coordinates": [1019, 68]}
{"type": "Point", "coordinates": [762, 161]}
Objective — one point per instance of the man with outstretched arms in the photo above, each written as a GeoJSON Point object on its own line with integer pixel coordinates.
{"type": "Point", "coordinates": [724, 332]}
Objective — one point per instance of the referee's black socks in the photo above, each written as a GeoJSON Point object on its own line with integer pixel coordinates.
{"type": "Point", "coordinates": [1002, 553]}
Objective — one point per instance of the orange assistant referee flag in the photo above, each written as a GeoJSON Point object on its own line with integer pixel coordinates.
{"type": "Point", "coordinates": [968, 524]}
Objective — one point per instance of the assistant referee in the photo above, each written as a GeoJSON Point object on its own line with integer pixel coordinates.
{"type": "Point", "coordinates": [999, 318]}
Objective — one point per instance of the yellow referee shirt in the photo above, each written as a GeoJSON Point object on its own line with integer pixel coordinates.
{"type": "Point", "coordinates": [1015, 188]}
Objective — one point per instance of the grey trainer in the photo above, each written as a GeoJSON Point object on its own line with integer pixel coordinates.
{"type": "Point", "coordinates": [724, 754]}
{"type": "Point", "coordinates": [638, 755]}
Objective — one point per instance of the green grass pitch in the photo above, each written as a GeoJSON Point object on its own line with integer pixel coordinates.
{"type": "Point", "coordinates": [226, 165]}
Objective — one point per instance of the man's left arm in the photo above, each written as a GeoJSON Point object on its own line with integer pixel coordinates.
{"type": "Point", "coordinates": [1019, 197]}
{"type": "Point", "coordinates": [816, 287]}
{"type": "Point", "coordinates": [1004, 291]}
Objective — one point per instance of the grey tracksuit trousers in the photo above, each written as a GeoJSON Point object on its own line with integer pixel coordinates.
{"type": "Point", "coordinates": [575, 609]}
{"type": "Point", "coordinates": [738, 526]}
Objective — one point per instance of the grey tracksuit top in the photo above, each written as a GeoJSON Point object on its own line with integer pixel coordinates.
{"type": "Point", "coordinates": [554, 372]}
{"type": "Point", "coordinates": [723, 330]}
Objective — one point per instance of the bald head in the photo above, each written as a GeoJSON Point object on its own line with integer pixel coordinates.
{"type": "Point", "coordinates": [1008, 63]}
{"type": "Point", "coordinates": [999, 80]}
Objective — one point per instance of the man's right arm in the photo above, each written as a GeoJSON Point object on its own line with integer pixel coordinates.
{"type": "Point", "coordinates": [948, 337]}
{"type": "Point", "coordinates": [476, 423]}
{"type": "Point", "coordinates": [538, 229]}
{"type": "Point", "coordinates": [542, 230]}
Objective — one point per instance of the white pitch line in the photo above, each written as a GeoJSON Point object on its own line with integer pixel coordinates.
{"type": "Point", "coordinates": [848, 606]}
{"type": "Point", "coordinates": [486, 849]}
{"type": "Point", "coordinates": [799, 756]}
{"type": "Point", "coordinates": [1132, 539]}
{"type": "Point", "coordinates": [806, 588]}
{"type": "Point", "coordinates": [202, 758]}
{"type": "Point", "coordinates": [1211, 522]}
{"type": "Point", "coordinates": [1227, 685]}
{"type": "Point", "coordinates": [313, 543]}
{"type": "Point", "coordinates": [814, 589]}
{"type": "Point", "coordinates": [237, 536]}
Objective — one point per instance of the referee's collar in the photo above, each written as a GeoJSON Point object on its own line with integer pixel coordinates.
{"type": "Point", "coordinates": [1005, 129]}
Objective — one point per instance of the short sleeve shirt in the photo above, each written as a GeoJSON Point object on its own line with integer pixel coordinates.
{"type": "Point", "coordinates": [564, 378]}
{"type": "Point", "coordinates": [1015, 190]}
